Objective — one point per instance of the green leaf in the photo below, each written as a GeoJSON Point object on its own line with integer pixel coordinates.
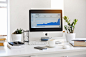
{"type": "Point", "coordinates": [18, 31]}
{"type": "Point", "coordinates": [71, 26]}
{"type": "Point", "coordinates": [65, 27]}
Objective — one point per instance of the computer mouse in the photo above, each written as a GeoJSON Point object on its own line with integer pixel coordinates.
{"type": "Point", "coordinates": [66, 46]}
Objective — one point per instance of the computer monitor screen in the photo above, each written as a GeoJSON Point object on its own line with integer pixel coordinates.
{"type": "Point", "coordinates": [45, 20]}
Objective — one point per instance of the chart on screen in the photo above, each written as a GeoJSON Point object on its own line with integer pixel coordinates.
{"type": "Point", "coordinates": [45, 20]}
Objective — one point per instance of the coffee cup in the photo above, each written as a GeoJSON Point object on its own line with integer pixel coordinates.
{"type": "Point", "coordinates": [51, 43]}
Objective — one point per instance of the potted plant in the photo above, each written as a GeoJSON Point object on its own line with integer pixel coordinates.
{"type": "Point", "coordinates": [17, 35]}
{"type": "Point", "coordinates": [70, 28]}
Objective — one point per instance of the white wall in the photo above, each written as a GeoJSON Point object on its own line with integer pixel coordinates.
{"type": "Point", "coordinates": [58, 4]}
{"type": "Point", "coordinates": [3, 20]}
{"type": "Point", "coordinates": [77, 9]}
{"type": "Point", "coordinates": [19, 12]}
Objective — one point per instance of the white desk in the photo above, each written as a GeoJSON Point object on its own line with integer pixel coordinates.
{"type": "Point", "coordinates": [29, 50]}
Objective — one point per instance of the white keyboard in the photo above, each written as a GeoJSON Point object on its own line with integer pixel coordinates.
{"type": "Point", "coordinates": [37, 43]}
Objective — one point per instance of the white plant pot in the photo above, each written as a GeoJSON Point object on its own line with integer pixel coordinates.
{"type": "Point", "coordinates": [70, 37]}
{"type": "Point", "coordinates": [17, 37]}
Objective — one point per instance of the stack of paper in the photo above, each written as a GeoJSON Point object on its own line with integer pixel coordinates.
{"type": "Point", "coordinates": [15, 45]}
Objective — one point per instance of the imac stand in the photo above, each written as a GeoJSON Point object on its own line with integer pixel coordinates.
{"type": "Point", "coordinates": [46, 38]}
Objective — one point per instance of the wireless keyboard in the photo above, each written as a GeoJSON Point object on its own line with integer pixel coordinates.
{"type": "Point", "coordinates": [37, 43]}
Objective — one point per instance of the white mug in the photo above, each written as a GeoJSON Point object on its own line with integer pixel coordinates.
{"type": "Point", "coordinates": [51, 43]}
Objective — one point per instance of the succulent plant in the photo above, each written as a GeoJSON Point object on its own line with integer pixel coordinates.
{"type": "Point", "coordinates": [18, 31]}
{"type": "Point", "coordinates": [70, 26]}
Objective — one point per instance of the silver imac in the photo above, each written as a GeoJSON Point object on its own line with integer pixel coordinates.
{"type": "Point", "coordinates": [45, 23]}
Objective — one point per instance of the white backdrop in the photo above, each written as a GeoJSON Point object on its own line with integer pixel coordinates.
{"type": "Point", "coordinates": [19, 13]}
{"type": "Point", "coordinates": [77, 9]}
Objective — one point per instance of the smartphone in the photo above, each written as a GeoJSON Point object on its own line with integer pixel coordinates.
{"type": "Point", "coordinates": [40, 48]}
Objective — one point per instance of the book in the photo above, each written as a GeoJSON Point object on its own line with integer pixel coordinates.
{"type": "Point", "coordinates": [2, 40]}
{"type": "Point", "coordinates": [79, 42]}
{"type": "Point", "coordinates": [1, 44]}
{"type": "Point", "coordinates": [79, 39]}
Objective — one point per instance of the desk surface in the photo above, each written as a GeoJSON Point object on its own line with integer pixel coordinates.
{"type": "Point", "coordinates": [28, 50]}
